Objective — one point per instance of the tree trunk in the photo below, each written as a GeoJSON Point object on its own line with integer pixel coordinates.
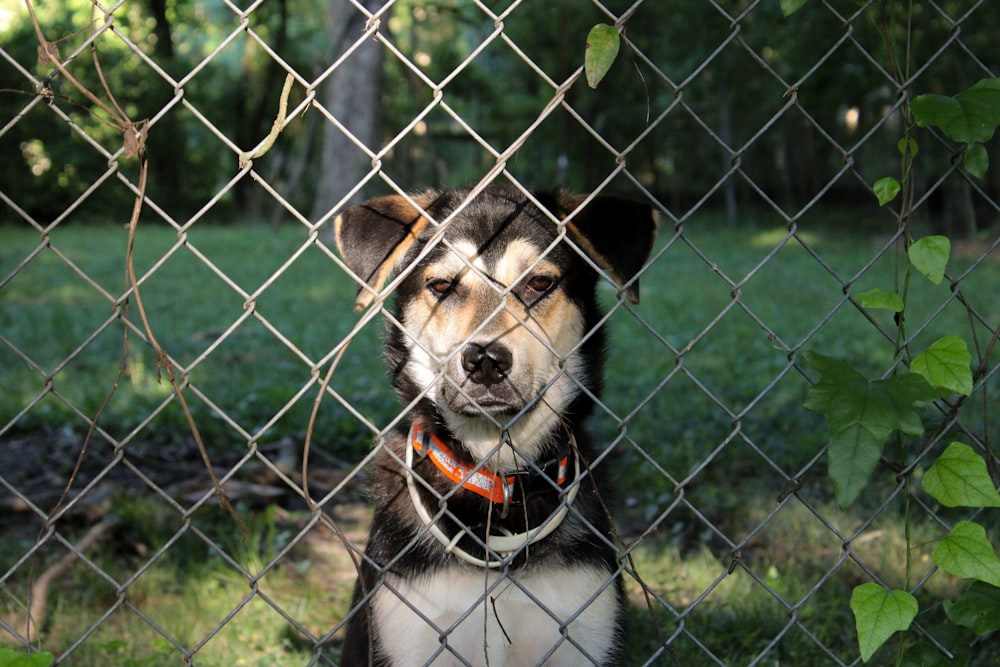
{"type": "Point", "coordinates": [729, 187]}
{"type": "Point", "coordinates": [351, 94]}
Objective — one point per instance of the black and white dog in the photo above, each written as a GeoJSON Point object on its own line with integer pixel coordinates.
{"type": "Point", "coordinates": [490, 543]}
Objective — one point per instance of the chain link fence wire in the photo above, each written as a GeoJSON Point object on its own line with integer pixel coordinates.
{"type": "Point", "coordinates": [260, 382]}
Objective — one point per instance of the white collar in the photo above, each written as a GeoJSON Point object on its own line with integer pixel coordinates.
{"type": "Point", "coordinates": [503, 545]}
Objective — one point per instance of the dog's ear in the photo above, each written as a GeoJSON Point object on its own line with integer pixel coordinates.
{"type": "Point", "coordinates": [374, 237]}
{"type": "Point", "coordinates": [617, 233]}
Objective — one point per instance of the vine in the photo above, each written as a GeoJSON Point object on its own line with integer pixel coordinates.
{"type": "Point", "coordinates": [865, 415]}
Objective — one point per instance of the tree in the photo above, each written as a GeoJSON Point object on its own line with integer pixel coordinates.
{"type": "Point", "coordinates": [352, 96]}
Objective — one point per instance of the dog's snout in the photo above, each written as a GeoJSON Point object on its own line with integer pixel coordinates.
{"type": "Point", "coordinates": [487, 365]}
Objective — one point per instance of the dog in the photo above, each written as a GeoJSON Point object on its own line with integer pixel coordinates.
{"type": "Point", "coordinates": [490, 542]}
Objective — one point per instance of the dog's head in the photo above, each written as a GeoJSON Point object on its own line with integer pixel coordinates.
{"type": "Point", "coordinates": [497, 320]}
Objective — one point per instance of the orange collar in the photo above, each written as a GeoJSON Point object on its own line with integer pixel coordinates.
{"type": "Point", "coordinates": [490, 486]}
{"type": "Point", "coordinates": [485, 483]}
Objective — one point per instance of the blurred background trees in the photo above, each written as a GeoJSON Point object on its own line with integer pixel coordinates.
{"type": "Point", "coordinates": [710, 108]}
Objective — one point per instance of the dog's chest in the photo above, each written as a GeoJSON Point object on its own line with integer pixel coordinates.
{"type": "Point", "coordinates": [513, 619]}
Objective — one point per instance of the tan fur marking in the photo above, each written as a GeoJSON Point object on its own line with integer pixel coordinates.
{"type": "Point", "coordinates": [338, 226]}
{"type": "Point", "coordinates": [396, 256]}
{"type": "Point", "coordinates": [392, 261]}
{"type": "Point", "coordinates": [520, 257]}
{"type": "Point", "coordinates": [544, 337]}
{"type": "Point", "coordinates": [520, 260]}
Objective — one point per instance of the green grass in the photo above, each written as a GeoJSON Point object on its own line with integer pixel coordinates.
{"type": "Point", "coordinates": [182, 596]}
{"type": "Point", "coordinates": [725, 448]}
{"type": "Point", "coordinates": [250, 375]}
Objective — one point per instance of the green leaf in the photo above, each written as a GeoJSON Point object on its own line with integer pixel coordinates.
{"type": "Point", "coordinates": [907, 144]}
{"type": "Point", "coordinates": [926, 653]}
{"type": "Point", "coordinates": [603, 43]}
{"type": "Point", "coordinates": [11, 658]}
{"type": "Point", "coordinates": [976, 160]}
{"type": "Point", "coordinates": [881, 298]}
{"type": "Point", "coordinates": [861, 415]}
{"type": "Point", "coordinates": [946, 365]}
{"type": "Point", "coordinates": [878, 613]}
{"type": "Point", "coordinates": [886, 189]}
{"type": "Point", "coordinates": [789, 7]}
{"type": "Point", "coordinates": [967, 553]}
{"type": "Point", "coordinates": [959, 478]}
{"type": "Point", "coordinates": [971, 116]}
{"type": "Point", "coordinates": [929, 256]}
{"type": "Point", "coordinates": [977, 608]}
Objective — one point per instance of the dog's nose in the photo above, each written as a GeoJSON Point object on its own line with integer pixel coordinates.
{"type": "Point", "coordinates": [487, 365]}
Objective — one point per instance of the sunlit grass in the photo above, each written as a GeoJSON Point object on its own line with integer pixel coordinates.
{"type": "Point", "coordinates": [163, 588]}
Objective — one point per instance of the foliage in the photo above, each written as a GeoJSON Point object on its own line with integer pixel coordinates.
{"type": "Point", "coordinates": [602, 49]}
{"type": "Point", "coordinates": [11, 658]}
{"type": "Point", "coordinates": [970, 117]}
{"type": "Point", "coordinates": [862, 415]}
{"type": "Point", "coordinates": [697, 97]}
{"type": "Point", "coordinates": [187, 161]}
{"type": "Point", "coordinates": [959, 478]}
{"type": "Point", "coordinates": [879, 614]}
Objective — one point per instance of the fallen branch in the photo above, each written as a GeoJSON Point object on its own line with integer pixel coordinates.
{"type": "Point", "coordinates": [40, 588]}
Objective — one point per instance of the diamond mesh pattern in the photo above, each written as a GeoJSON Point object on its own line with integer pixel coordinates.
{"type": "Point", "coordinates": [724, 488]}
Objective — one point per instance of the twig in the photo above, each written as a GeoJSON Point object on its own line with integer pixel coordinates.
{"type": "Point", "coordinates": [276, 126]}
{"type": "Point", "coordinates": [37, 600]}
{"type": "Point", "coordinates": [134, 143]}
{"type": "Point", "coordinates": [163, 360]}
{"type": "Point", "coordinates": [48, 53]}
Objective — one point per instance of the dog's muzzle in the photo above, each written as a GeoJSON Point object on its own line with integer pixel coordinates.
{"type": "Point", "coordinates": [485, 383]}
{"type": "Point", "coordinates": [487, 365]}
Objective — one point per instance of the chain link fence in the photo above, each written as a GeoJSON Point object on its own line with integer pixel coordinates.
{"type": "Point", "coordinates": [737, 553]}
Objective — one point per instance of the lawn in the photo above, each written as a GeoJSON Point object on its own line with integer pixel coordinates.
{"type": "Point", "coordinates": [702, 415]}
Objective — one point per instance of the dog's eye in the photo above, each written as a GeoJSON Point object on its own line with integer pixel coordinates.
{"type": "Point", "coordinates": [541, 283]}
{"type": "Point", "coordinates": [440, 287]}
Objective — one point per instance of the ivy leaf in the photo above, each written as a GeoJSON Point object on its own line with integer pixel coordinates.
{"type": "Point", "coordinates": [12, 658]}
{"type": "Point", "coordinates": [976, 160]}
{"type": "Point", "coordinates": [907, 144]}
{"type": "Point", "coordinates": [861, 415]}
{"type": "Point", "coordinates": [603, 43]}
{"type": "Point", "coordinates": [946, 365]}
{"type": "Point", "coordinates": [966, 552]}
{"type": "Point", "coordinates": [881, 298]}
{"type": "Point", "coordinates": [885, 189]}
{"type": "Point", "coordinates": [927, 653]}
{"type": "Point", "coordinates": [977, 608]}
{"type": "Point", "coordinates": [878, 613]}
{"type": "Point", "coordinates": [971, 116]}
{"type": "Point", "coordinates": [929, 256]}
{"type": "Point", "coordinates": [959, 478]}
{"type": "Point", "coordinates": [789, 7]}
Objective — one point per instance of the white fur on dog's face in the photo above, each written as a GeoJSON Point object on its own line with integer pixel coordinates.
{"type": "Point", "coordinates": [469, 299]}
